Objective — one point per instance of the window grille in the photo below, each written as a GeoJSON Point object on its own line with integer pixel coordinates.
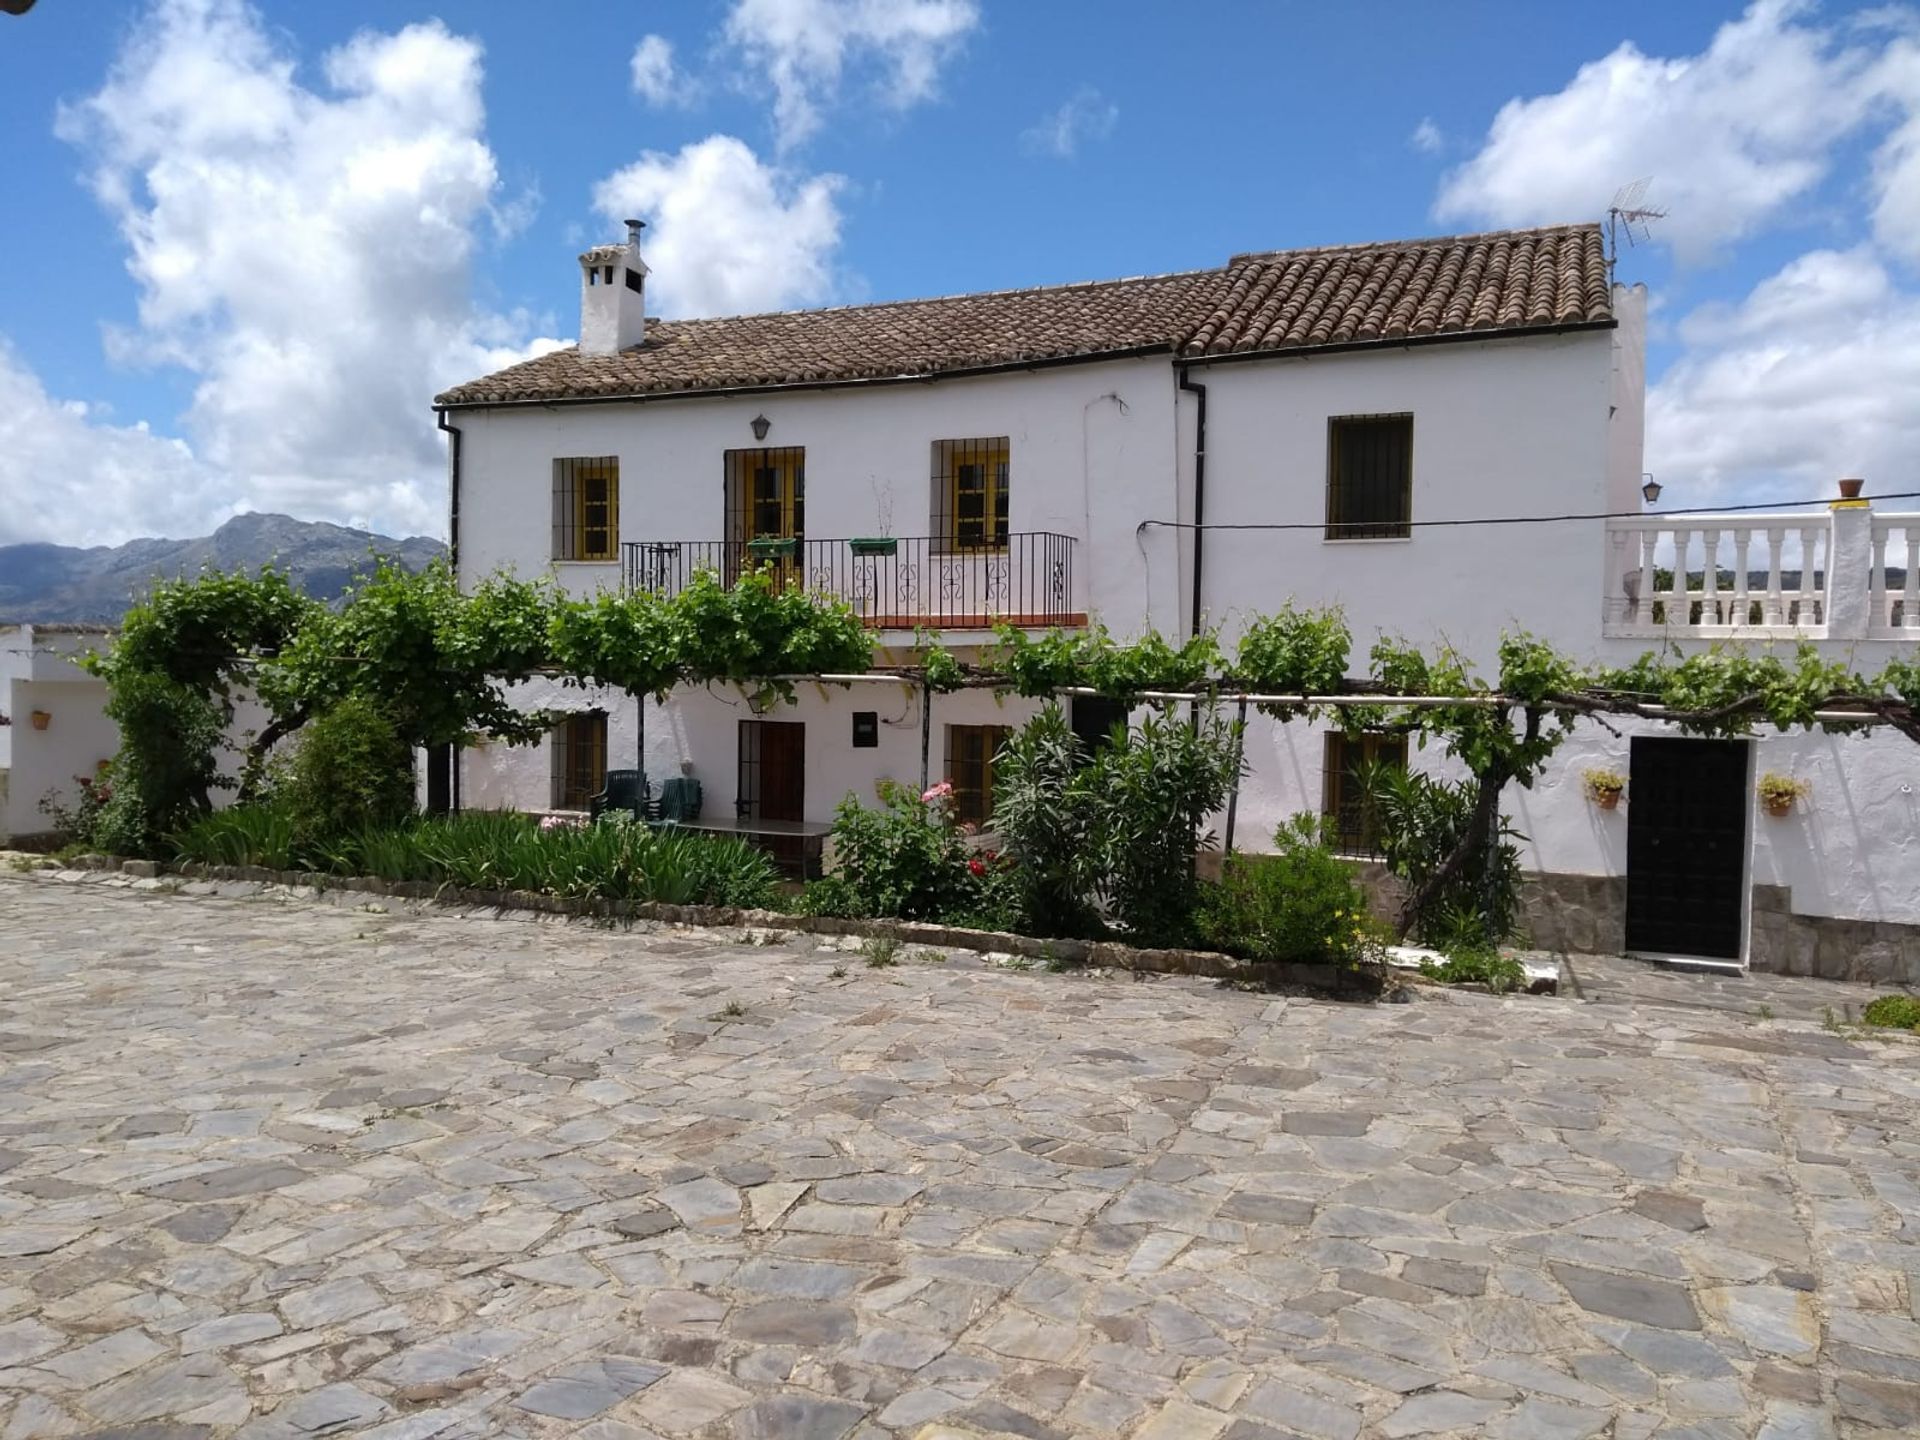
{"type": "Point", "coordinates": [1356, 823]}
{"type": "Point", "coordinates": [766, 499]}
{"type": "Point", "coordinates": [579, 749]}
{"type": "Point", "coordinates": [1093, 720]}
{"type": "Point", "coordinates": [1369, 477]}
{"type": "Point", "coordinates": [971, 491]}
{"type": "Point", "coordinates": [971, 751]}
{"type": "Point", "coordinates": [586, 508]}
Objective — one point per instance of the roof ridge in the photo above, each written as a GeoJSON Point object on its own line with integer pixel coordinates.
{"type": "Point", "coordinates": [1055, 289]}
{"type": "Point", "coordinates": [1416, 241]}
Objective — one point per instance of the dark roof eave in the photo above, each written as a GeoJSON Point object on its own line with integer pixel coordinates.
{"type": "Point", "coordinates": [1396, 342]}
{"type": "Point", "coordinates": [920, 377]}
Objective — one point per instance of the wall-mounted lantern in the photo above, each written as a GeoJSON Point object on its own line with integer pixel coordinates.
{"type": "Point", "coordinates": [760, 427]}
{"type": "Point", "coordinates": [1650, 488]}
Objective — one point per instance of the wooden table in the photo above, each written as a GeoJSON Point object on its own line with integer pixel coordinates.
{"type": "Point", "coordinates": [810, 833]}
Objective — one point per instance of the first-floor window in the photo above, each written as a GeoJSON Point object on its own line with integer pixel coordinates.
{"type": "Point", "coordinates": [972, 490]}
{"type": "Point", "coordinates": [586, 508]}
{"type": "Point", "coordinates": [1369, 477]}
{"type": "Point", "coordinates": [579, 759]}
{"type": "Point", "coordinates": [1346, 805]}
{"type": "Point", "coordinates": [970, 753]}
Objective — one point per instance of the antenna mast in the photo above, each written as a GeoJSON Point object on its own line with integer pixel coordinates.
{"type": "Point", "coordinates": [1629, 216]}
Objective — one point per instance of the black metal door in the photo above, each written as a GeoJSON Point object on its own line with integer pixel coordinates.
{"type": "Point", "coordinates": [1686, 847]}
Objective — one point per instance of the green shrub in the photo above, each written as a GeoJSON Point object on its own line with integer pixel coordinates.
{"type": "Point", "coordinates": [167, 766]}
{"type": "Point", "coordinates": [501, 850]}
{"type": "Point", "coordinates": [1043, 813]}
{"type": "Point", "coordinates": [242, 835]}
{"type": "Point", "coordinates": [1300, 904]}
{"type": "Point", "coordinates": [79, 823]}
{"type": "Point", "coordinates": [351, 771]}
{"type": "Point", "coordinates": [1150, 795]}
{"type": "Point", "coordinates": [1421, 819]}
{"type": "Point", "coordinates": [832, 895]}
{"type": "Point", "coordinates": [1896, 1012]}
{"type": "Point", "coordinates": [906, 859]}
{"type": "Point", "coordinates": [1477, 965]}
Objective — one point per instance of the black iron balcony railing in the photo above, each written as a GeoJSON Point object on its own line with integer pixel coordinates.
{"type": "Point", "coordinates": [891, 582]}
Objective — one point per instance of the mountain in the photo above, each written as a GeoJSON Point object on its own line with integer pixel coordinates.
{"type": "Point", "coordinates": [64, 582]}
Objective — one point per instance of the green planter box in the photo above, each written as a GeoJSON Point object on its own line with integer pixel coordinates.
{"type": "Point", "coordinates": [774, 548]}
{"type": "Point", "coordinates": [874, 545]}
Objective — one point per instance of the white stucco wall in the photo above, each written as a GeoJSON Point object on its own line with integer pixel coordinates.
{"type": "Point", "coordinates": [1537, 427]}
{"type": "Point", "coordinates": [1511, 427]}
{"type": "Point", "coordinates": [697, 733]}
{"type": "Point", "coordinates": [1091, 452]}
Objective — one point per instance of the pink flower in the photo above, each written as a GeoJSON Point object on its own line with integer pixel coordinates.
{"type": "Point", "coordinates": [936, 792]}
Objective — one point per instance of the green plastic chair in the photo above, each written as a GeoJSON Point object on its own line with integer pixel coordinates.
{"type": "Point", "coordinates": [626, 790]}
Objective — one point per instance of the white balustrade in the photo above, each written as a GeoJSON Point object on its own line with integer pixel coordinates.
{"type": "Point", "coordinates": [1720, 576]}
{"type": "Point", "coordinates": [1894, 599]}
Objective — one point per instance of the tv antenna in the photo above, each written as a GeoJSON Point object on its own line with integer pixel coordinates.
{"type": "Point", "coordinates": [1629, 217]}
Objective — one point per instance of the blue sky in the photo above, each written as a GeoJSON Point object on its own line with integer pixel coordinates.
{"type": "Point", "coordinates": [263, 235]}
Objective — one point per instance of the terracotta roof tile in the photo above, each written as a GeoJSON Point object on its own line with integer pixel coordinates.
{"type": "Point", "coordinates": [1470, 285]}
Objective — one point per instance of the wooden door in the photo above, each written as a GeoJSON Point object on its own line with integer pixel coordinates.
{"type": "Point", "coordinates": [1687, 808]}
{"type": "Point", "coordinates": [773, 769]}
{"type": "Point", "coordinates": [768, 500]}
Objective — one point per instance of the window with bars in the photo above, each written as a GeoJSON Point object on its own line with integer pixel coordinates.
{"type": "Point", "coordinates": [971, 490]}
{"type": "Point", "coordinates": [586, 508]}
{"type": "Point", "coordinates": [1356, 825]}
{"type": "Point", "coordinates": [1369, 477]}
{"type": "Point", "coordinates": [1094, 718]}
{"type": "Point", "coordinates": [970, 757]}
{"type": "Point", "coordinates": [579, 750]}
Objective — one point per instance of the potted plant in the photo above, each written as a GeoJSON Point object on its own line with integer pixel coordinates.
{"type": "Point", "coordinates": [1778, 792]}
{"type": "Point", "coordinates": [774, 547]}
{"type": "Point", "coordinates": [874, 545]}
{"type": "Point", "coordinates": [1605, 787]}
{"type": "Point", "coordinates": [41, 719]}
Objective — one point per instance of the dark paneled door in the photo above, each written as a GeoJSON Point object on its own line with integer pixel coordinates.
{"type": "Point", "coordinates": [1687, 807]}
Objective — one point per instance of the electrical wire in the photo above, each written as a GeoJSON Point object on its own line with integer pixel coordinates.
{"type": "Point", "coordinates": [1520, 519]}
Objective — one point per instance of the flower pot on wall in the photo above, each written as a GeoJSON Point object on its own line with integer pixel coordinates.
{"type": "Point", "coordinates": [874, 545]}
{"type": "Point", "coordinates": [1607, 799]}
{"type": "Point", "coordinates": [1850, 488]}
{"type": "Point", "coordinates": [774, 547]}
{"type": "Point", "coordinates": [1778, 805]}
{"type": "Point", "coordinates": [41, 719]}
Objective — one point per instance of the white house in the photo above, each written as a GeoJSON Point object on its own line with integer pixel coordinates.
{"type": "Point", "coordinates": [1044, 455]}
{"type": "Point", "coordinates": [53, 723]}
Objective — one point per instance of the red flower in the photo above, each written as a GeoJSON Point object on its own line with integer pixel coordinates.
{"type": "Point", "coordinates": [976, 867]}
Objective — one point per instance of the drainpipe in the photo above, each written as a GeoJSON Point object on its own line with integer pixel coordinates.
{"type": "Point", "coordinates": [1199, 391]}
{"type": "Point", "coordinates": [449, 756]}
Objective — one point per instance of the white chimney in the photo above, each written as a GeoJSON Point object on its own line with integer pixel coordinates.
{"type": "Point", "coordinates": [613, 296]}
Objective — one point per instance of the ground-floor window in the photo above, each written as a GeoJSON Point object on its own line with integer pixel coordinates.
{"type": "Point", "coordinates": [1093, 718]}
{"type": "Point", "coordinates": [970, 752]}
{"type": "Point", "coordinates": [1355, 824]}
{"type": "Point", "coordinates": [579, 746]}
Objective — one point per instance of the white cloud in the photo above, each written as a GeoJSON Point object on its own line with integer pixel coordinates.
{"type": "Point", "coordinates": [307, 254]}
{"type": "Point", "coordinates": [1426, 137]}
{"type": "Point", "coordinates": [71, 478]}
{"type": "Point", "coordinates": [1085, 115]}
{"type": "Point", "coordinates": [656, 78]}
{"type": "Point", "coordinates": [1809, 378]}
{"type": "Point", "coordinates": [804, 47]}
{"type": "Point", "coordinates": [728, 234]}
{"type": "Point", "coordinates": [1732, 136]}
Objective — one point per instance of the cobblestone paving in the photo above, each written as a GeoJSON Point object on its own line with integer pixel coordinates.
{"type": "Point", "coordinates": [280, 1166]}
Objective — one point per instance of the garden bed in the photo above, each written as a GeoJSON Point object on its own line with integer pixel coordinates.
{"type": "Point", "coordinates": [1099, 954]}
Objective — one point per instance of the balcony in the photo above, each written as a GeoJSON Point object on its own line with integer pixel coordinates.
{"type": "Point", "coordinates": [1848, 574]}
{"type": "Point", "coordinates": [895, 583]}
